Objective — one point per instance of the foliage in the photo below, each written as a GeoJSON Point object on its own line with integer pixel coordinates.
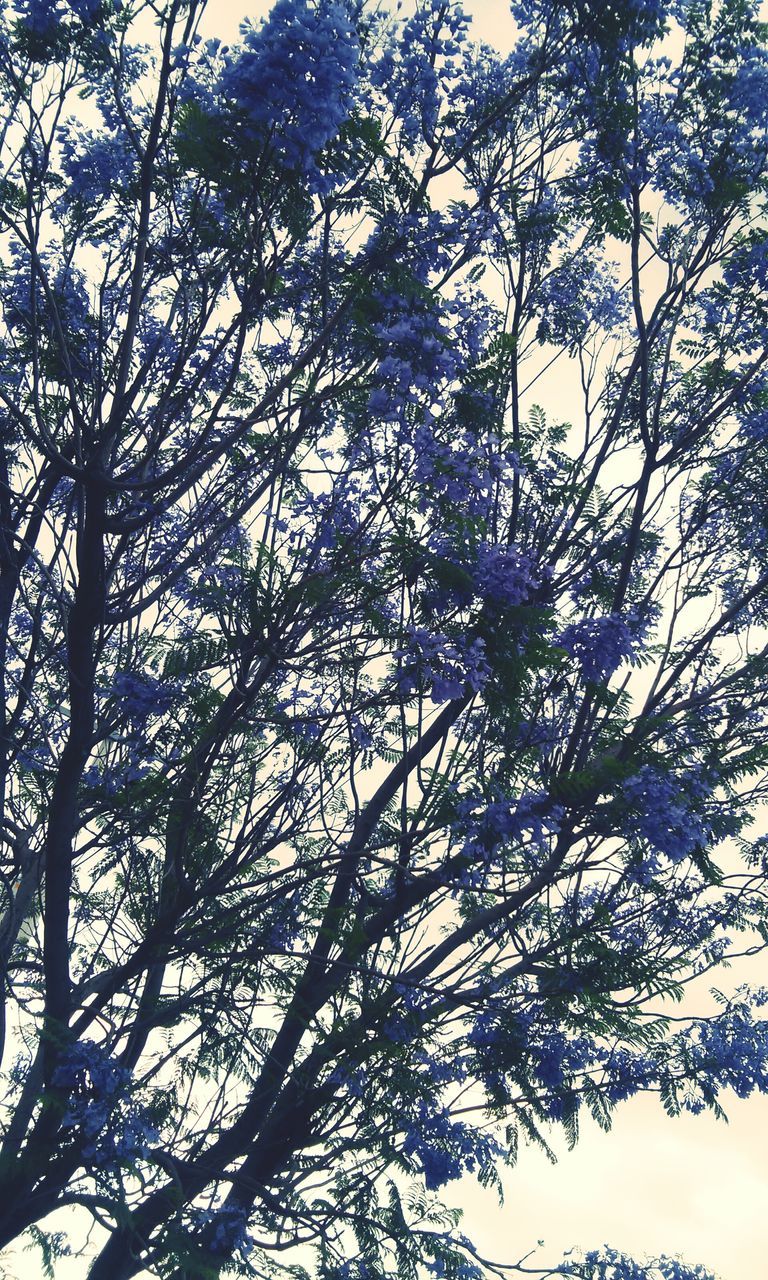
{"type": "Point", "coordinates": [378, 755]}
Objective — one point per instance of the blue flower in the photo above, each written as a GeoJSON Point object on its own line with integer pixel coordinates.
{"type": "Point", "coordinates": [59, 315]}
{"type": "Point", "coordinates": [42, 18]}
{"type": "Point", "coordinates": [577, 298]}
{"type": "Point", "coordinates": [115, 1129]}
{"type": "Point", "coordinates": [730, 1050]}
{"type": "Point", "coordinates": [88, 10]}
{"type": "Point", "coordinates": [417, 69]}
{"type": "Point", "coordinates": [293, 78]}
{"type": "Point", "coordinates": [599, 645]}
{"type": "Point", "coordinates": [96, 165]}
{"type": "Point", "coordinates": [445, 1148]}
{"type": "Point", "coordinates": [505, 575]}
{"type": "Point", "coordinates": [230, 1231]}
{"type": "Point", "coordinates": [663, 811]}
{"type": "Point", "coordinates": [447, 667]}
{"type": "Point", "coordinates": [610, 1264]}
{"type": "Point", "coordinates": [142, 695]}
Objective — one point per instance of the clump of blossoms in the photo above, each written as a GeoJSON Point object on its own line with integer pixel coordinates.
{"type": "Point", "coordinates": [599, 645]}
{"type": "Point", "coordinates": [292, 79]}
{"type": "Point", "coordinates": [506, 576]}
{"type": "Point", "coordinates": [417, 70]}
{"type": "Point", "coordinates": [663, 811]}
{"type": "Point", "coordinates": [224, 1230]}
{"type": "Point", "coordinates": [611, 1264]}
{"type": "Point", "coordinates": [444, 1148]}
{"type": "Point", "coordinates": [416, 360]}
{"type": "Point", "coordinates": [446, 667]}
{"type": "Point", "coordinates": [101, 1113]}
{"type": "Point", "coordinates": [579, 297]}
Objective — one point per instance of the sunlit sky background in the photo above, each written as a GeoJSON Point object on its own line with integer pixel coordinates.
{"type": "Point", "coordinates": [692, 1186]}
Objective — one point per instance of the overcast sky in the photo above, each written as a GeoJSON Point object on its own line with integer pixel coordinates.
{"type": "Point", "coordinates": [691, 1186]}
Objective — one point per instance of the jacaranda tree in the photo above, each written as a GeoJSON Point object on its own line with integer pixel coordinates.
{"type": "Point", "coordinates": [379, 751]}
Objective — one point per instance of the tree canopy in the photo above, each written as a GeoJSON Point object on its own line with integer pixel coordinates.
{"type": "Point", "coordinates": [380, 752]}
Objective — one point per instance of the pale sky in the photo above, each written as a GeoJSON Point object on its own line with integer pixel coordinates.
{"type": "Point", "coordinates": [693, 1186]}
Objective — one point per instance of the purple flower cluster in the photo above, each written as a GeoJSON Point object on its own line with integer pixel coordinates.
{"type": "Point", "coordinates": [42, 17]}
{"type": "Point", "coordinates": [505, 576]}
{"type": "Point", "coordinates": [662, 811]}
{"type": "Point", "coordinates": [224, 1230]}
{"type": "Point", "coordinates": [471, 314]}
{"type": "Point", "coordinates": [461, 571]}
{"type": "Point", "coordinates": [416, 356]}
{"type": "Point", "coordinates": [610, 1264]}
{"type": "Point", "coordinates": [448, 668]}
{"type": "Point", "coordinates": [579, 297]}
{"type": "Point", "coordinates": [326, 520]}
{"type": "Point", "coordinates": [482, 827]}
{"type": "Point", "coordinates": [531, 1048]}
{"type": "Point", "coordinates": [705, 137]}
{"type": "Point", "coordinates": [100, 1109]}
{"type": "Point", "coordinates": [731, 1049]}
{"type": "Point", "coordinates": [142, 696]}
{"type": "Point", "coordinates": [419, 64]}
{"type": "Point", "coordinates": [293, 78]}
{"type": "Point", "coordinates": [60, 313]}
{"type": "Point", "coordinates": [445, 1148]}
{"type": "Point", "coordinates": [599, 645]}
{"type": "Point", "coordinates": [459, 471]}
